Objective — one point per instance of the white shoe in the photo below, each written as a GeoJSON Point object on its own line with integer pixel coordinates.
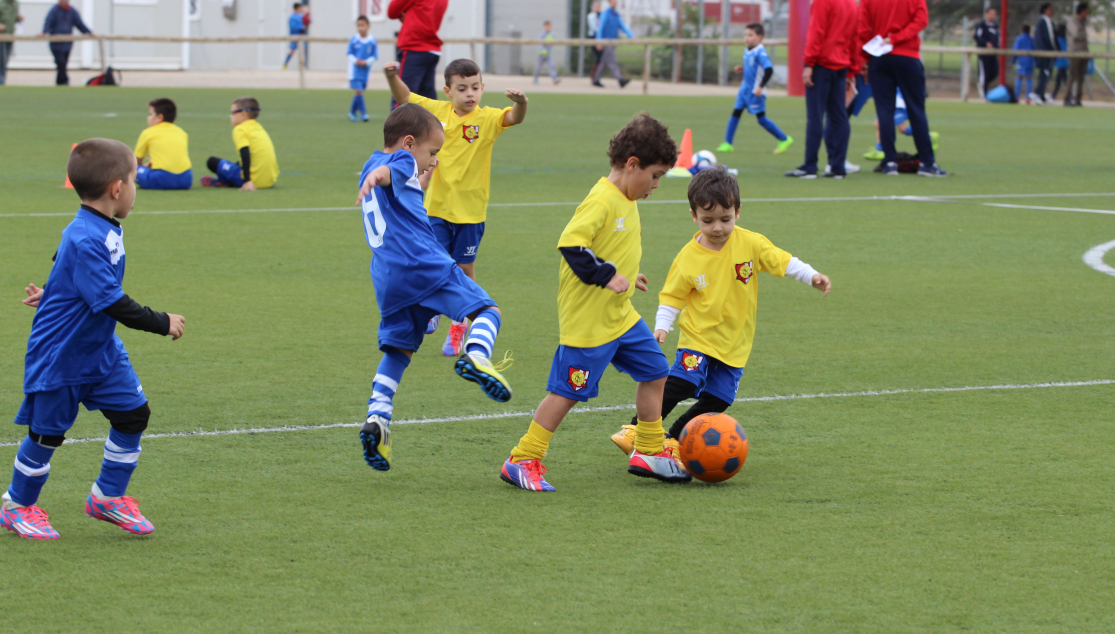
{"type": "Point", "coordinates": [850, 167]}
{"type": "Point", "coordinates": [431, 327]}
{"type": "Point", "coordinates": [660, 466]}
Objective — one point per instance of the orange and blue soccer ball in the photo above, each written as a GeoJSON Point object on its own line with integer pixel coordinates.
{"type": "Point", "coordinates": [713, 447]}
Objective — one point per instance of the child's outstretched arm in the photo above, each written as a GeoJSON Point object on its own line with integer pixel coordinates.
{"type": "Point", "coordinates": [379, 176]}
{"type": "Point", "coordinates": [518, 111]}
{"type": "Point", "coordinates": [34, 294]}
{"type": "Point", "coordinates": [806, 274]}
{"type": "Point", "coordinates": [399, 90]}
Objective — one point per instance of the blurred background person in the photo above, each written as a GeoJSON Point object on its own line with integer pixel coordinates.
{"type": "Point", "coordinates": [1077, 35]}
{"type": "Point", "coordinates": [545, 53]}
{"type": "Point", "coordinates": [987, 36]}
{"type": "Point", "coordinates": [62, 19]}
{"type": "Point", "coordinates": [1045, 39]}
{"type": "Point", "coordinates": [418, 47]}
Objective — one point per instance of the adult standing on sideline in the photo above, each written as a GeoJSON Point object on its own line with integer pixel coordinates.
{"type": "Point", "coordinates": [987, 36]}
{"type": "Point", "coordinates": [898, 22]}
{"type": "Point", "coordinates": [592, 23]}
{"type": "Point", "coordinates": [1045, 39]}
{"type": "Point", "coordinates": [62, 19]}
{"type": "Point", "coordinates": [1077, 29]}
{"type": "Point", "coordinates": [9, 16]}
{"type": "Point", "coordinates": [418, 47]}
{"type": "Point", "coordinates": [831, 61]}
{"type": "Point", "coordinates": [610, 26]}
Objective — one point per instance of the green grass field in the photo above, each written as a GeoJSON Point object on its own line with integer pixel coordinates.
{"type": "Point", "coordinates": [982, 510]}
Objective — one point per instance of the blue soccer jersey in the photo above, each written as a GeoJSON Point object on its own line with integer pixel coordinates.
{"type": "Point", "coordinates": [72, 341]}
{"type": "Point", "coordinates": [297, 26]}
{"type": "Point", "coordinates": [408, 263]}
{"type": "Point", "coordinates": [755, 60]}
{"type": "Point", "coordinates": [361, 49]}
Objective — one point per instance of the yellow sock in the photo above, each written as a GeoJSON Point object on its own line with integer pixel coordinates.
{"type": "Point", "coordinates": [649, 436]}
{"type": "Point", "coordinates": [534, 443]}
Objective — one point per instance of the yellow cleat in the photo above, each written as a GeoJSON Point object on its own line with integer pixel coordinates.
{"type": "Point", "coordinates": [674, 447]}
{"type": "Point", "coordinates": [482, 371]}
{"type": "Point", "coordinates": [625, 439]}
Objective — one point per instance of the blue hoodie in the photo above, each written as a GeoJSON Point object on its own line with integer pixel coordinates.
{"type": "Point", "coordinates": [1025, 64]}
{"type": "Point", "coordinates": [61, 21]}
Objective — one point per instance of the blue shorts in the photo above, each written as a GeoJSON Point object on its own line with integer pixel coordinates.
{"type": "Point", "coordinates": [461, 241]}
{"type": "Point", "coordinates": [746, 100]}
{"type": "Point", "coordinates": [229, 173]}
{"type": "Point", "coordinates": [358, 84]}
{"type": "Point", "coordinates": [53, 412]}
{"type": "Point", "coordinates": [294, 43]}
{"type": "Point", "coordinates": [708, 374]}
{"type": "Point", "coordinates": [900, 116]}
{"type": "Point", "coordinates": [575, 372]}
{"type": "Point", "coordinates": [457, 298]}
{"type": "Point", "coordinates": [148, 178]}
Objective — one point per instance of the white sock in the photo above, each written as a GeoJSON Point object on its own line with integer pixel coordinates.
{"type": "Point", "coordinates": [9, 503]}
{"type": "Point", "coordinates": [101, 496]}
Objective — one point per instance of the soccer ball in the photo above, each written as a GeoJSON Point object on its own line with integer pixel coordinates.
{"type": "Point", "coordinates": [713, 447]}
{"type": "Point", "coordinates": [708, 159]}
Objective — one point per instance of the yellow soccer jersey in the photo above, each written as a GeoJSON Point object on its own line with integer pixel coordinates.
{"type": "Point", "coordinates": [265, 167]}
{"type": "Point", "coordinates": [168, 146]}
{"type": "Point", "coordinates": [719, 291]}
{"type": "Point", "coordinates": [608, 223]}
{"type": "Point", "coordinates": [461, 183]}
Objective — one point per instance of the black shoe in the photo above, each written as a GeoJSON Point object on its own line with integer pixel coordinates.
{"type": "Point", "coordinates": [623, 82]}
{"type": "Point", "coordinates": [375, 436]}
{"type": "Point", "coordinates": [800, 173]}
{"type": "Point", "coordinates": [838, 177]}
{"type": "Point", "coordinates": [600, 85]}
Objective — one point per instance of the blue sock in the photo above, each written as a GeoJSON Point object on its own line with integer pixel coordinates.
{"type": "Point", "coordinates": [32, 468]}
{"type": "Point", "coordinates": [360, 104]}
{"type": "Point", "coordinates": [878, 147]}
{"type": "Point", "coordinates": [355, 107]}
{"type": "Point", "coordinates": [909, 131]}
{"type": "Point", "coordinates": [386, 383]}
{"type": "Point", "coordinates": [482, 337]}
{"type": "Point", "coordinates": [769, 126]}
{"type": "Point", "coordinates": [121, 453]}
{"type": "Point", "coordinates": [730, 133]}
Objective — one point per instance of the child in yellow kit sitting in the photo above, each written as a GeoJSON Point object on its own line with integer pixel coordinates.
{"type": "Point", "coordinates": [258, 168]}
{"type": "Point", "coordinates": [163, 150]}
{"type": "Point", "coordinates": [714, 280]}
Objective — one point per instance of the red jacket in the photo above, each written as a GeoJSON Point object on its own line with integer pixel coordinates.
{"type": "Point", "coordinates": [831, 40]}
{"type": "Point", "coordinates": [420, 24]}
{"type": "Point", "coordinates": [901, 20]}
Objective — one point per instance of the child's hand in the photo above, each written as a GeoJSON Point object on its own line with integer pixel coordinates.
{"type": "Point", "coordinates": [177, 326]}
{"type": "Point", "coordinates": [618, 284]}
{"type": "Point", "coordinates": [822, 283]}
{"type": "Point", "coordinates": [361, 62]}
{"type": "Point", "coordinates": [391, 69]}
{"type": "Point", "coordinates": [379, 176]}
{"type": "Point", "coordinates": [34, 294]}
{"type": "Point", "coordinates": [739, 70]}
{"type": "Point", "coordinates": [660, 336]}
{"type": "Point", "coordinates": [516, 95]}
{"type": "Point", "coordinates": [641, 282]}
{"type": "Point", "coordinates": [758, 92]}
{"type": "Point", "coordinates": [248, 187]}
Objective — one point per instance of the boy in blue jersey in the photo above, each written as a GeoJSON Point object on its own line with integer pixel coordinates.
{"type": "Point", "coordinates": [414, 277]}
{"type": "Point", "coordinates": [1024, 66]}
{"type": "Point", "coordinates": [752, 92]}
{"type": "Point", "coordinates": [297, 24]}
{"type": "Point", "coordinates": [362, 51]}
{"type": "Point", "coordinates": [74, 356]}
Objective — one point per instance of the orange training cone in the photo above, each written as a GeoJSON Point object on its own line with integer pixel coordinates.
{"type": "Point", "coordinates": [68, 184]}
{"type": "Point", "coordinates": [685, 157]}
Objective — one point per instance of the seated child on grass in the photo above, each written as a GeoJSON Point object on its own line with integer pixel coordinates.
{"type": "Point", "coordinates": [163, 150]}
{"type": "Point", "coordinates": [258, 167]}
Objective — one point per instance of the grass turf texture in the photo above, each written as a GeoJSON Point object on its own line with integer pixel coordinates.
{"type": "Point", "coordinates": [979, 511]}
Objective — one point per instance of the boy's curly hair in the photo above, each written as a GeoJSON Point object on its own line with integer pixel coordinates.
{"type": "Point", "coordinates": [646, 139]}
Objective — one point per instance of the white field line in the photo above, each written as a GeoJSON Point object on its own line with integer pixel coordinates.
{"type": "Point", "coordinates": [1087, 211]}
{"type": "Point", "coordinates": [608, 408]}
{"type": "Point", "coordinates": [1094, 257]}
{"type": "Point", "coordinates": [645, 202]}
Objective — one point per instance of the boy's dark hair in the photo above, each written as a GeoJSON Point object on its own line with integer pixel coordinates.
{"type": "Point", "coordinates": [1026, 29]}
{"type": "Point", "coordinates": [296, 5]}
{"type": "Point", "coordinates": [409, 119]}
{"type": "Point", "coordinates": [756, 27]}
{"type": "Point", "coordinates": [165, 107]}
{"type": "Point", "coordinates": [248, 105]}
{"type": "Point", "coordinates": [713, 187]}
{"type": "Point", "coordinates": [363, 18]}
{"type": "Point", "coordinates": [1081, 7]}
{"type": "Point", "coordinates": [646, 139]}
{"type": "Point", "coordinates": [461, 68]}
{"type": "Point", "coordinates": [1043, 7]}
{"type": "Point", "coordinates": [95, 163]}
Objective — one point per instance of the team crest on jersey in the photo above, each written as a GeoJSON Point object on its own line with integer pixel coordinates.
{"type": "Point", "coordinates": [691, 361]}
{"type": "Point", "coordinates": [745, 271]}
{"type": "Point", "coordinates": [578, 378]}
{"type": "Point", "coordinates": [471, 132]}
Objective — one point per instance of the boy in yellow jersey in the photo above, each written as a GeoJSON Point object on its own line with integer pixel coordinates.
{"type": "Point", "coordinates": [457, 198]}
{"type": "Point", "coordinates": [599, 272]}
{"type": "Point", "coordinates": [258, 168]}
{"type": "Point", "coordinates": [162, 150]}
{"type": "Point", "coordinates": [714, 280]}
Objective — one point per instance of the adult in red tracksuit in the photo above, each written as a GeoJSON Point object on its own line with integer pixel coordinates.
{"type": "Point", "coordinates": [898, 22]}
{"type": "Point", "coordinates": [418, 47]}
{"type": "Point", "coordinates": [830, 62]}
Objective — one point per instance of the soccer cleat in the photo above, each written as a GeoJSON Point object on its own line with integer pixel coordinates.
{"type": "Point", "coordinates": [284, 66]}
{"type": "Point", "coordinates": [725, 147]}
{"type": "Point", "coordinates": [364, 117]}
{"type": "Point", "coordinates": [663, 466]}
{"type": "Point", "coordinates": [597, 84]}
{"type": "Point", "coordinates": [455, 340]}
{"type": "Point", "coordinates": [850, 168]}
{"type": "Point", "coordinates": [375, 435]}
{"type": "Point", "coordinates": [29, 522]}
{"type": "Point", "coordinates": [478, 369]}
{"type": "Point", "coordinates": [209, 181]}
{"type": "Point", "coordinates": [674, 448]}
{"type": "Point", "coordinates": [890, 169]}
{"type": "Point", "coordinates": [784, 145]}
{"type": "Point", "coordinates": [625, 439]}
{"type": "Point", "coordinates": [527, 475]}
{"type": "Point", "coordinates": [623, 82]}
{"type": "Point", "coordinates": [935, 137]}
{"type": "Point", "coordinates": [800, 173]}
{"type": "Point", "coordinates": [874, 155]}
{"type": "Point", "coordinates": [933, 170]}
{"type": "Point", "coordinates": [829, 174]}
{"type": "Point", "coordinates": [124, 512]}
{"type": "Point", "coordinates": [352, 117]}
{"type": "Point", "coordinates": [432, 326]}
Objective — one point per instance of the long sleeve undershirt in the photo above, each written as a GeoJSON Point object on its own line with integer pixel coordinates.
{"type": "Point", "coordinates": [767, 74]}
{"type": "Point", "coordinates": [130, 313]}
{"type": "Point", "coordinates": [246, 163]}
{"type": "Point", "coordinates": [586, 266]}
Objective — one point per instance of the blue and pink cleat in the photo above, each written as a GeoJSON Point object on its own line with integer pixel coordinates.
{"type": "Point", "coordinates": [124, 512]}
{"type": "Point", "coordinates": [29, 522]}
{"type": "Point", "coordinates": [526, 475]}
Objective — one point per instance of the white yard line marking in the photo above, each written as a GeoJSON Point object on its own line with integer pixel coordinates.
{"type": "Point", "coordinates": [1094, 257]}
{"type": "Point", "coordinates": [608, 408]}
{"type": "Point", "coordinates": [946, 198]}
{"type": "Point", "coordinates": [1088, 211]}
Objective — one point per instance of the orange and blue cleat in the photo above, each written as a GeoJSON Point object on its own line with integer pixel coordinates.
{"type": "Point", "coordinates": [29, 522]}
{"type": "Point", "coordinates": [124, 512]}
{"type": "Point", "coordinates": [526, 475]}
